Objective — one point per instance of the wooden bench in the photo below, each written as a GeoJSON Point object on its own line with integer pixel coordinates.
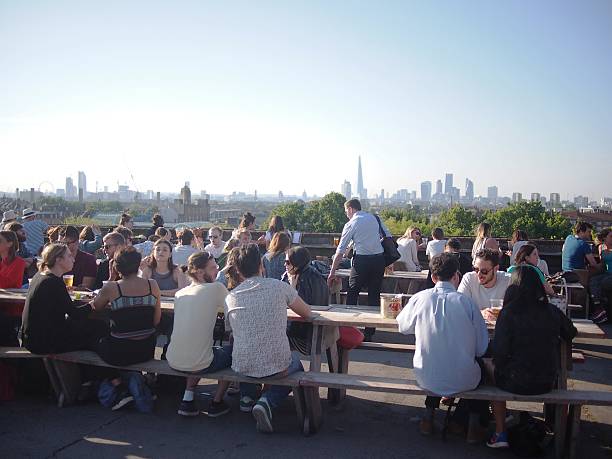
{"type": "Point", "coordinates": [575, 399]}
{"type": "Point", "coordinates": [65, 376]}
{"type": "Point", "coordinates": [577, 356]}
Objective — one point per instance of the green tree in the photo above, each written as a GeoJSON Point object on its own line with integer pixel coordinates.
{"type": "Point", "coordinates": [398, 220]}
{"type": "Point", "coordinates": [326, 215]}
{"type": "Point", "coordinates": [457, 221]}
{"type": "Point", "coordinates": [292, 213]}
{"type": "Point", "coordinates": [531, 217]}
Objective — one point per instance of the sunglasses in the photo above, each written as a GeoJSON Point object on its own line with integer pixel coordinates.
{"type": "Point", "coordinates": [484, 272]}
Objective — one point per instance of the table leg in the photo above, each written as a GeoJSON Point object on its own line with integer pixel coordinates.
{"type": "Point", "coordinates": [69, 377]}
{"type": "Point", "coordinates": [332, 363]}
{"type": "Point", "coordinates": [560, 429]}
{"type": "Point", "coordinates": [315, 347]}
{"type": "Point", "coordinates": [575, 412]}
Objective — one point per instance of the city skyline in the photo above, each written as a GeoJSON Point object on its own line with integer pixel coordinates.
{"type": "Point", "coordinates": [508, 94]}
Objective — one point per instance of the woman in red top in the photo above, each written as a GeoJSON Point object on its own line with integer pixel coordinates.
{"type": "Point", "coordinates": [12, 267]}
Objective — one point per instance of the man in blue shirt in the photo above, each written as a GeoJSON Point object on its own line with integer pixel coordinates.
{"type": "Point", "coordinates": [450, 335]}
{"type": "Point", "coordinates": [576, 250]}
{"type": "Point", "coordinates": [368, 267]}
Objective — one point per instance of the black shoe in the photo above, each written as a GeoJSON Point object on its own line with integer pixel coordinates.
{"type": "Point", "coordinates": [123, 399]}
{"type": "Point", "coordinates": [188, 408]}
{"type": "Point", "coordinates": [216, 409]}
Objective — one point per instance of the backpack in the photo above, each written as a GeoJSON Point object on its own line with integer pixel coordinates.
{"type": "Point", "coordinates": [530, 437]}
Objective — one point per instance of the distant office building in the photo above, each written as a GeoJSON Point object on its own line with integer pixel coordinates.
{"type": "Point", "coordinates": [438, 186]}
{"type": "Point", "coordinates": [360, 190]}
{"type": "Point", "coordinates": [535, 196]}
{"type": "Point", "coordinates": [426, 191]}
{"type": "Point", "coordinates": [455, 194]}
{"type": "Point", "coordinates": [469, 189]}
{"type": "Point", "coordinates": [60, 193]}
{"type": "Point", "coordinates": [413, 195]}
{"type": "Point", "coordinates": [581, 201]}
{"type": "Point", "coordinates": [555, 199]}
{"type": "Point", "coordinates": [346, 191]}
{"type": "Point", "coordinates": [517, 197]}
{"type": "Point", "coordinates": [448, 184]}
{"type": "Point", "coordinates": [492, 193]}
{"type": "Point", "coordinates": [304, 196]}
{"type": "Point", "coordinates": [381, 197]}
{"type": "Point", "coordinates": [82, 182]}
{"type": "Point", "coordinates": [70, 188]}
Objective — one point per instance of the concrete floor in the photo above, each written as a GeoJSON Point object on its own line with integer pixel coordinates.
{"type": "Point", "coordinates": [367, 425]}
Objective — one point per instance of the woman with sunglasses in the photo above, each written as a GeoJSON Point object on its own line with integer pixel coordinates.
{"type": "Point", "coordinates": [312, 288]}
{"type": "Point", "coordinates": [407, 246]}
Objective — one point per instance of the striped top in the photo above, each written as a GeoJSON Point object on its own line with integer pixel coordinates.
{"type": "Point", "coordinates": [129, 323]}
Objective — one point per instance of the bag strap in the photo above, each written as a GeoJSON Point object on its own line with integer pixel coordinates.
{"type": "Point", "coordinates": [381, 232]}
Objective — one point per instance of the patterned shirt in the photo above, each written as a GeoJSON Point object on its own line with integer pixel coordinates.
{"type": "Point", "coordinates": [35, 234]}
{"type": "Point", "coordinates": [257, 312]}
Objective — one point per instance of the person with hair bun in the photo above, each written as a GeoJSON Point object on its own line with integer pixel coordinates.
{"type": "Point", "coordinates": [191, 347]}
{"type": "Point", "coordinates": [45, 329]}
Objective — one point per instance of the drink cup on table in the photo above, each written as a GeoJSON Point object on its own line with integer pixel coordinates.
{"type": "Point", "coordinates": [496, 307]}
{"type": "Point", "coordinates": [68, 280]}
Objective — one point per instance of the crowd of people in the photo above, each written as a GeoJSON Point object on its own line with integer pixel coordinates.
{"type": "Point", "coordinates": [249, 285]}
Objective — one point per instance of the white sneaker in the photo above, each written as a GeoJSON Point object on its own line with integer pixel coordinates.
{"type": "Point", "coordinates": [263, 416]}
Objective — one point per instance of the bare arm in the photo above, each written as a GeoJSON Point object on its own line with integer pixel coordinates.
{"type": "Point", "coordinates": [157, 294]}
{"type": "Point", "coordinates": [332, 272]}
{"type": "Point", "coordinates": [300, 308]}
{"type": "Point", "coordinates": [103, 298]}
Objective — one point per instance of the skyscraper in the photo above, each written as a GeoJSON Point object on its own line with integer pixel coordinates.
{"type": "Point", "coordinates": [517, 197]}
{"type": "Point", "coordinates": [492, 193]}
{"type": "Point", "coordinates": [469, 190]}
{"type": "Point", "coordinates": [70, 190]}
{"type": "Point", "coordinates": [439, 186]}
{"type": "Point", "coordinates": [448, 183]}
{"type": "Point", "coordinates": [346, 190]}
{"type": "Point", "coordinates": [425, 191]}
{"type": "Point", "coordinates": [555, 199]}
{"type": "Point", "coordinates": [82, 181]}
{"type": "Point", "coordinates": [535, 196]}
{"type": "Point", "coordinates": [360, 191]}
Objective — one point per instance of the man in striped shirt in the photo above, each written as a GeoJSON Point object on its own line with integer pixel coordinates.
{"type": "Point", "coordinates": [35, 231]}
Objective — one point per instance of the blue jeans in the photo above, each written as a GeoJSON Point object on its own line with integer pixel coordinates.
{"type": "Point", "coordinates": [222, 358]}
{"type": "Point", "coordinates": [275, 394]}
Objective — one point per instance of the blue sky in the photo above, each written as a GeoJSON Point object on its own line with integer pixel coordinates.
{"type": "Point", "coordinates": [285, 95]}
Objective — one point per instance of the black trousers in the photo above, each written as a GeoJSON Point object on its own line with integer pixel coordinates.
{"type": "Point", "coordinates": [367, 271]}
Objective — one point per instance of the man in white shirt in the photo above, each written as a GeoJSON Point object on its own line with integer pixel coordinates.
{"type": "Point", "coordinates": [217, 244]}
{"type": "Point", "coordinates": [184, 249]}
{"type": "Point", "coordinates": [450, 334]}
{"type": "Point", "coordinates": [435, 246]}
{"type": "Point", "coordinates": [191, 347]}
{"type": "Point", "coordinates": [368, 269]}
{"type": "Point", "coordinates": [486, 282]}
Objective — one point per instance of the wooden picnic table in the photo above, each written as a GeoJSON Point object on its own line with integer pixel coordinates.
{"type": "Point", "coordinates": [412, 275]}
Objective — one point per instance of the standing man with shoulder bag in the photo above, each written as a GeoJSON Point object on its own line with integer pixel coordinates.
{"type": "Point", "coordinates": [368, 261]}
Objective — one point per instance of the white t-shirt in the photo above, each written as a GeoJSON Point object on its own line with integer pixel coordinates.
{"type": "Point", "coordinates": [181, 253]}
{"type": "Point", "coordinates": [435, 247]}
{"type": "Point", "coordinates": [195, 313]}
{"type": "Point", "coordinates": [257, 312]}
{"type": "Point", "coordinates": [480, 295]}
{"type": "Point", "coordinates": [215, 251]}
